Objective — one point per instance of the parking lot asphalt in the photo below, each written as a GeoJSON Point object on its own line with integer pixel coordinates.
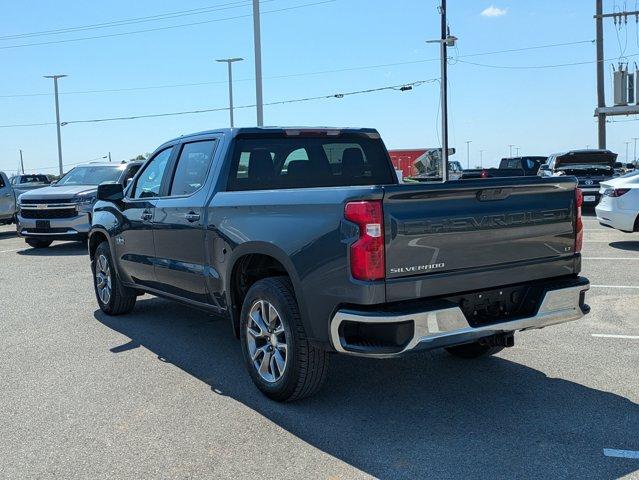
{"type": "Point", "coordinates": [162, 393]}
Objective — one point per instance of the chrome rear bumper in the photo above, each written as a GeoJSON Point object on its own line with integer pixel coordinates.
{"type": "Point", "coordinates": [448, 326]}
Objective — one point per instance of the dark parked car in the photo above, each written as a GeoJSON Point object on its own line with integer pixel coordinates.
{"type": "Point", "coordinates": [307, 243]}
{"type": "Point", "coordinates": [508, 167]}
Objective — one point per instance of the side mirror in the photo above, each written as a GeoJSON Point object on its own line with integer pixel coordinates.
{"type": "Point", "coordinates": [110, 192]}
{"type": "Point", "coordinates": [53, 182]}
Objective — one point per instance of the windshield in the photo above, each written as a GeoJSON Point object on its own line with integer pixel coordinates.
{"type": "Point", "coordinates": [32, 179]}
{"type": "Point", "coordinates": [91, 175]}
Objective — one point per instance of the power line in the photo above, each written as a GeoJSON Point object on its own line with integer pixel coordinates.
{"type": "Point", "coordinates": [157, 29]}
{"type": "Point", "coordinates": [401, 87]}
{"type": "Point", "coordinates": [534, 67]}
{"type": "Point", "coordinates": [129, 21]}
{"type": "Point", "coordinates": [301, 74]}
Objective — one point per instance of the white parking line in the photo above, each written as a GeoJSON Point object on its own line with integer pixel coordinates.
{"type": "Point", "coordinates": [613, 452]}
{"type": "Point", "coordinates": [614, 286]}
{"type": "Point", "coordinates": [610, 335]}
{"type": "Point", "coordinates": [12, 250]}
{"type": "Point", "coordinates": [611, 258]}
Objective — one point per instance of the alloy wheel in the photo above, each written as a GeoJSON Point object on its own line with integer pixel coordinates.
{"type": "Point", "coordinates": [103, 279]}
{"type": "Point", "coordinates": [266, 341]}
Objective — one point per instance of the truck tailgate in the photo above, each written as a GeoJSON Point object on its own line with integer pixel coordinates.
{"type": "Point", "coordinates": [470, 234]}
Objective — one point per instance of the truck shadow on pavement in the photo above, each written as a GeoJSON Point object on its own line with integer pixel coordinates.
{"type": "Point", "coordinates": [630, 245]}
{"type": "Point", "coordinates": [423, 416]}
{"type": "Point", "coordinates": [55, 250]}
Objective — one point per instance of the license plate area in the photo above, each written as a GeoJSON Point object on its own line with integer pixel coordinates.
{"type": "Point", "coordinates": [43, 224]}
{"type": "Point", "coordinates": [500, 304]}
{"type": "Point", "coordinates": [590, 198]}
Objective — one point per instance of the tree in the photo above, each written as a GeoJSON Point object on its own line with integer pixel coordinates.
{"type": "Point", "coordinates": [142, 156]}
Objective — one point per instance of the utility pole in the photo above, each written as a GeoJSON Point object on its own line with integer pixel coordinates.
{"type": "Point", "coordinates": [517, 151]}
{"type": "Point", "coordinates": [109, 156]}
{"type": "Point", "coordinates": [601, 92]}
{"type": "Point", "coordinates": [627, 143]}
{"type": "Point", "coordinates": [468, 142]}
{"type": "Point", "coordinates": [446, 40]}
{"type": "Point", "coordinates": [57, 116]}
{"type": "Point", "coordinates": [510, 146]}
{"type": "Point", "coordinates": [229, 62]}
{"type": "Point", "coordinates": [21, 162]}
{"type": "Point", "coordinates": [619, 17]}
{"type": "Point", "coordinates": [634, 156]}
{"type": "Point", "coordinates": [258, 63]}
{"type": "Point", "coordinates": [481, 158]}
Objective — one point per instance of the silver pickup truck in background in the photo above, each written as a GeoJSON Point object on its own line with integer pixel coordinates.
{"type": "Point", "coordinates": [7, 200]}
{"type": "Point", "coordinates": [63, 211]}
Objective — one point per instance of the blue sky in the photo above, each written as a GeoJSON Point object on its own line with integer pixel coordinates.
{"type": "Point", "coordinates": [540, 110]}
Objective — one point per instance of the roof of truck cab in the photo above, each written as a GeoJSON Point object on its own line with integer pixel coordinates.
{"type": "Point", "coordinates": [233, 132]}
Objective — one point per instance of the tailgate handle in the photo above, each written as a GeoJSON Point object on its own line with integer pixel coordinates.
{"type": "Point", "coordinates": [493, 194]}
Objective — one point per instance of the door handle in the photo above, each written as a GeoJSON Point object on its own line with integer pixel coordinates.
{"type": "Point", "coordinates": [146, 215]}
{"type": "Point", "coordinates": [192, 216]}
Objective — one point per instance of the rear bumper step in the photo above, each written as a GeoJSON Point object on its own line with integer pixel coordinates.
{"type": "Point", "coordinates": [382, 334]}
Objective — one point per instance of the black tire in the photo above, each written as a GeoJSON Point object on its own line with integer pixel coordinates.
{"type": "Point", "coordinates": [121, 299]}
{"type": "Point", "coordinates": [306, 365]}
{"type": "Point", "coordinates": [37, 243]}
{"type": "Point", "coordinates": [473, 350]}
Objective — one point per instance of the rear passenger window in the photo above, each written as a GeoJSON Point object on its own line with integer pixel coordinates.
{"type": "Point", "coordinates": [264, 163]}
{"type": "Point", "coordinates": [1, 182]}
{"type": "Point", "coordinates": [192, 167]}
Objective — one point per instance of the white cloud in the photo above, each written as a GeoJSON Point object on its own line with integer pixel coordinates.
{"type": "Point", "coordinates": [493, 11]}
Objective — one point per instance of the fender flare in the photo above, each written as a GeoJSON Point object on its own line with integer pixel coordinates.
{"type": "Point", "coordinates": [263, 248]}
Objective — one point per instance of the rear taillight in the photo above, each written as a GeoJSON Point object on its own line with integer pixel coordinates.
{"type": "Point", "coordinates": [579, 224]}
{"type": "Point", "coordinates": [615, 192]}
{"type": "Point", "coordinates": [484, 174]}
{"type": "Point", "coordinates": [367, 253]}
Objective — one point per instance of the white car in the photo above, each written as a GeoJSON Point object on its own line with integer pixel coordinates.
{"type": "Point", "coordinates": [619, 205]}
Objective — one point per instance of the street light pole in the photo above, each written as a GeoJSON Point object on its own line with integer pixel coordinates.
{"type": "Point", "coordinates": [634, 157]}
{"type": "Point", "coordinates": [229, 61]}
{"type": "Point", "coordinates": [481, 158]}
{"type": "Point", "coordinates": [468, 142]}
{"type": "Point", "coordinates": [21, 162]}
{"type": "Point", "coordinates": [510, 146]}
{"type": "Point", "coordinates": [57, 116]}
{"type": "Point", "coordinates": [258, 63]}
{"type": "Point", "coordinates": [517, 151]}
{"type": "Point", "coordinates": [444, 41]}
{"type": "Point", "coordinates": [627, 143]}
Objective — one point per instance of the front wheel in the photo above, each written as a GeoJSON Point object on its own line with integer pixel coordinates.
{"type": "Point", "coordinates": [279, 358]}
{"type": "Point", "coordinates": [37, 243]}
{"type": "Point", "coordinates": [113, 297]}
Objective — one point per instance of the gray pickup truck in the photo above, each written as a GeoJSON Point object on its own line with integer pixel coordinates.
{"type": "Point", "coordinates": [62, 211]}
{"type": "Point", "coordinates": [306, 242]}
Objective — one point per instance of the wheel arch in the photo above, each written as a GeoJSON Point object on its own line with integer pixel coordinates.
{"type": "Point", "coordinates": [251, 262]}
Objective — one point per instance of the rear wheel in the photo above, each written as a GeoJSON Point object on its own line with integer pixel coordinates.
{"type": "Point", "coordinates": [279, 358]}
{"type": "Point", "coordinates": [473, 350]}
{"type": "Point", "coordinates": [36, 243]}
{"type": "Point", "coordinates": [113, 297]}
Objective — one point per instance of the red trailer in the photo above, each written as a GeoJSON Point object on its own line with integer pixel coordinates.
{"type": "Point", "coordinates": [405, 159]}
